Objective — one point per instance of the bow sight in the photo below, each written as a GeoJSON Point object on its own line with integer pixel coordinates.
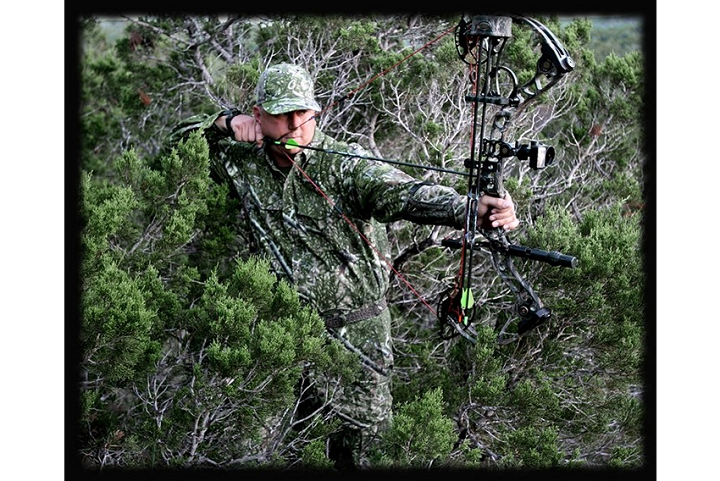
{"type": "Point", "coordinates": [540, 155]}
{"type": "Point", "coordinates": [496, 94]}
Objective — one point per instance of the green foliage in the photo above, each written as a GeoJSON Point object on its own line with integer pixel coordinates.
{"type": "Point", "coordinates": [535, 398]}
{"type": "Point", "coordinates": [420, 433]}
{"type": "Point", "coordinates": [429, 371]}
{"type": "Point", "coordinates": [609, 282]}
{"type": "Point", "coordinates": [199, 346]}
{"type": "Point", "coordinates": [358, 35]}
{"type": "Point", "coordinates": [117, 325]}
{"type": "Point", "coordinates": [534, 448]}
{"type": "Point", "coordinates": [577, 33]}
{"type": "Point", "coordinates": [314, 457]}
{"type": "Point", "coordinates": [242, 78]}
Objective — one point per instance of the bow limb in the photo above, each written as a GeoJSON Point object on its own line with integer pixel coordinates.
{"type": "Point", "coordinates": [553, 64]}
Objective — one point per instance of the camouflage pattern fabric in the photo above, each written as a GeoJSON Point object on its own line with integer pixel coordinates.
{"type": "Point", "coordinates": [310, 243]}
{"type": "Point", "coordinates": [285, 87]}
{"type": "Point", "coordinates": [367, 403]}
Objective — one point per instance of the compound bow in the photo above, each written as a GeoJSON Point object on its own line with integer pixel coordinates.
{"type": "Point", "coordinates": [480, 43]}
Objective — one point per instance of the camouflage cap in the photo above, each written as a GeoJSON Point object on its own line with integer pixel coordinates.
{"type": "Point", "coordinates": [285, 87]}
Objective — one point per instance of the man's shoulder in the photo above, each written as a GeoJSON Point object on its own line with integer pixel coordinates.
{"type": "Point", "coordinates": [323, 140]}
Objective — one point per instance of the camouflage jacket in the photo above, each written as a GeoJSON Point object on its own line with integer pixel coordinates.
{"type": "Point", "coordinates": [308, 237]}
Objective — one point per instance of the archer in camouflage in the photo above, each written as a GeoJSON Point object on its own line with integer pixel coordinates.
{"type": "Point", "coordinates": [300, 204]}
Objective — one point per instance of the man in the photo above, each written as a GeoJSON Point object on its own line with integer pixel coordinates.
{"type": "Point", "coordinates": [317, 215]}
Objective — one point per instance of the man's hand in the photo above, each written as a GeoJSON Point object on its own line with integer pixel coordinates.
{"type": "Point", "coordinates": [246, 129]}
{"type": "Point", "coordinates": [497, 212]}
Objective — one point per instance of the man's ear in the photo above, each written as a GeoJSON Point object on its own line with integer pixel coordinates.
{"type": "Point", "coordinates": [257, 111]}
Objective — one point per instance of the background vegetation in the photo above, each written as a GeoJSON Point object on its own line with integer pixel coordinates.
{"type": "Point", "coordinates": [188, 345]}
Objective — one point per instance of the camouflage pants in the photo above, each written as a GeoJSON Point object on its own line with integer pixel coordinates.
{"type": "Point", "coordinates": [365, 405]}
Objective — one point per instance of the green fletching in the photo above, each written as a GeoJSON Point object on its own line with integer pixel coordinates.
{"type": "Point", "coordinates": [467, 301]}
{"type": "Point", "coordinates": [291, 143]}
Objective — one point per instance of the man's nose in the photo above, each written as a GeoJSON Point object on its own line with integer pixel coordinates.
{"type": "Point", "coordinates": [294, 120]}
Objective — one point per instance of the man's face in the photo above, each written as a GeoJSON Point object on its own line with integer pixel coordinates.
{"type": "Point", "coordinates": [298, 125]}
